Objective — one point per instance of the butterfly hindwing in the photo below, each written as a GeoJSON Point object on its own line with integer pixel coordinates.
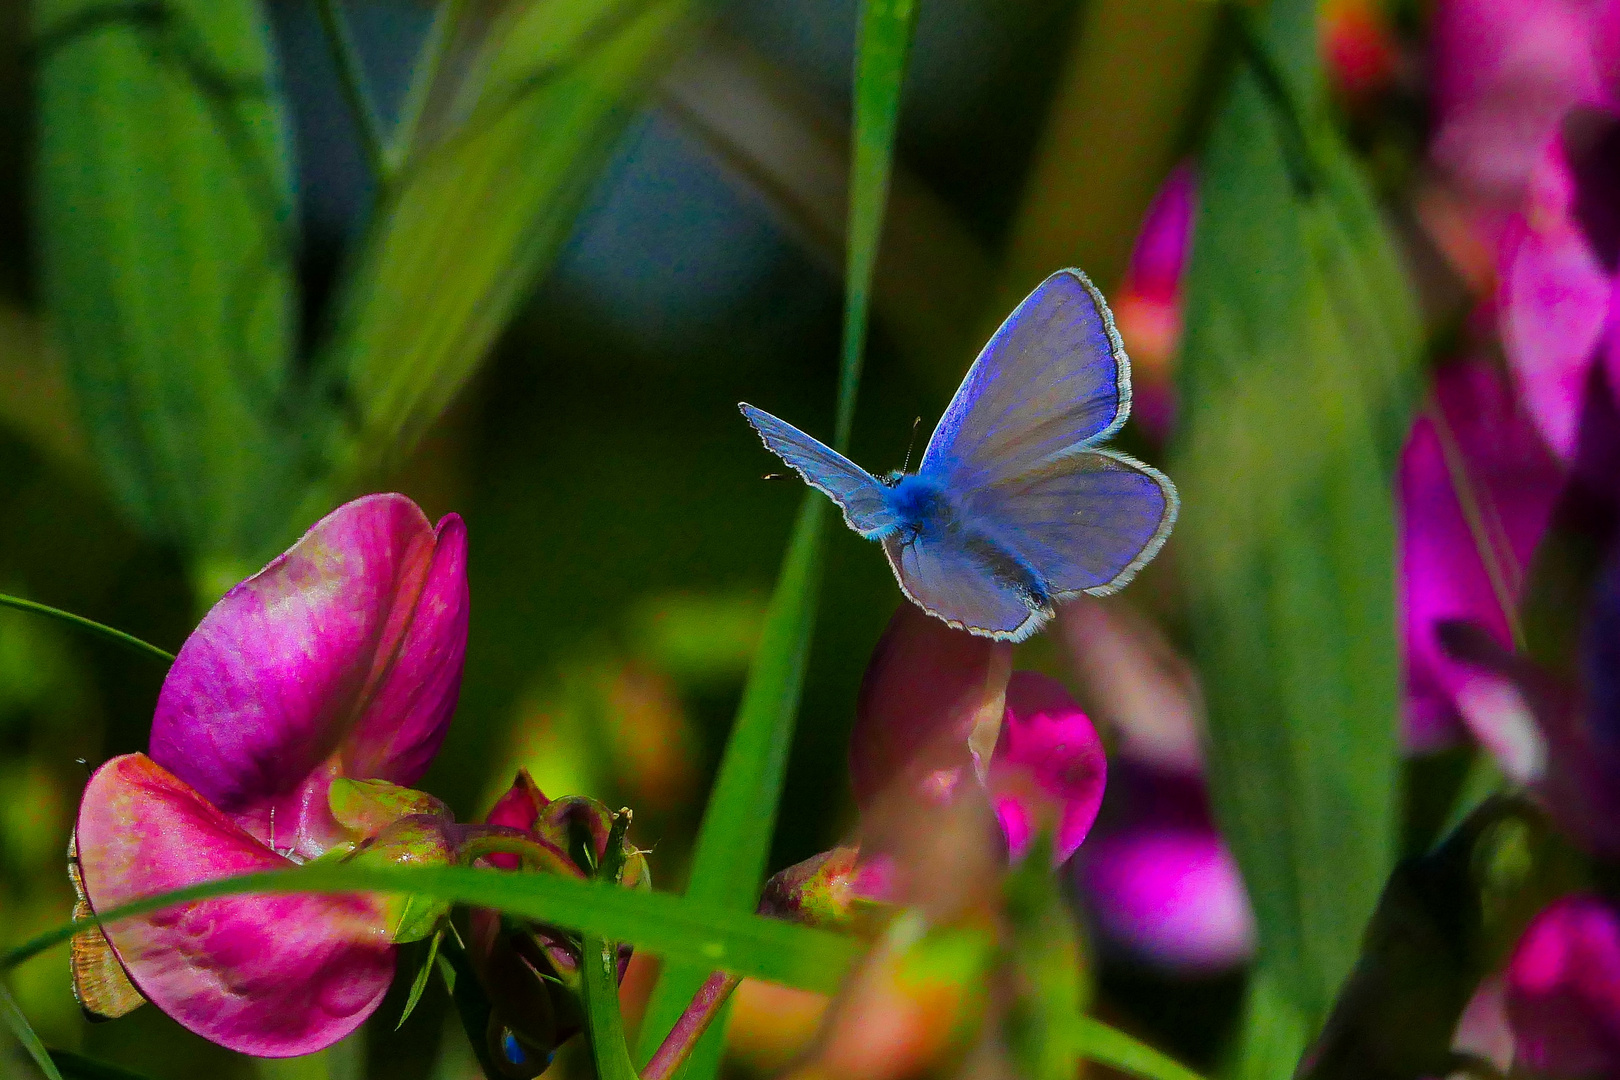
{"type": "Point", "coordinates": [1083, 523]}
{"type": "Point", "coordinates": [856, 491]}
{"type": "Point", "coordinates": [1053, 379]}
{"type": "Point", "coordinates": [100, 984]}
{"type": "Point", "coordinates": [942, 574]}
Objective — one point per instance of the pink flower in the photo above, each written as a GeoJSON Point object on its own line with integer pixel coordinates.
{"type": "Point", "coordinates": [1563, 990]}
{"type": "Point", "coordinates": [1159, 881]}
{"type": "Point", "coordinates": [1558, 294]}
{"type": "Point", "coordinates": [1148, 306]}
{"type": "Point", "coordinates": [1505, 73]}
{"type": "Point", "coordinates": [1476, 489]}
{"type": "Point", "coordinates": [939, 707]}
{"type": "Point", "coordinates": [339, 662]}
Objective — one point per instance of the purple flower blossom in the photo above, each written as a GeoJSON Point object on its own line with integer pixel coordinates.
{"type": "Point", "coordinates": [338, 662]}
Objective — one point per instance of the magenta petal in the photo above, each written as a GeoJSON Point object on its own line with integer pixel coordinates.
{"type": "Point", "coordinates": [1512, 481]}
{"type": "Point", "coordinates": [273, 976]}
{"type": "Point", "coordinates": [1048, 768]}
{"type": "Point", "coordinates": [1555, 303]}
{"type": "Point", "coordinates": [1159, 257]}
{"type": "Point", "coordinates": [1563, 990]}
{"type": "Point", "coordinates": [343, 656]}
{"type": "Point", "coordinates": [1170, 893]}
{"type": "Point", "coordinates": [926, 692]}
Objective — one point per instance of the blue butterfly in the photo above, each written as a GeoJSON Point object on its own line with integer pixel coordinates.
{"type": "Point", "coordinates": [1015, 507]}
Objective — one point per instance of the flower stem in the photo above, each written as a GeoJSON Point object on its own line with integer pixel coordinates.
{"type": "Point", "coordinates": [678, 1044]}
{"type": "Point", "coordinates": [128, 640]}
{"type": "Point", "coordinates": [600, 961]}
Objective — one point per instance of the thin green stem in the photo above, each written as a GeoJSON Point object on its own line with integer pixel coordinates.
{"type": "Point", "coordinates": [127, 640]}
{"type": "Point", "coordinates": [352, 79]}
{"type": "Point", "coordinates": [600, 960]}
{"type": "Point", "coordinates": [430, 62]}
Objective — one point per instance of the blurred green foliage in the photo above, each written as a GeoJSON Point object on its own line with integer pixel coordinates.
{"type": "Point", "coordinates": [1299, 375]}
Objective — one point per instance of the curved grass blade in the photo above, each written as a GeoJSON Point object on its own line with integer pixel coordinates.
{"type": "Point", "coordinates": [679, 929]}
{"type": "Point", "coordinates": [1096, 1041]}
{"type": "Point", "coordinates": [733, 846]}
{"type": "Point", "coordinates": [24, 1033]}
{"type": "Point", "coordinates": [129, 641]}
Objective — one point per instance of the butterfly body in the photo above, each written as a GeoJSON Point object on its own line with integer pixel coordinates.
{"type": "Point", "coordinates": [1016, 505]}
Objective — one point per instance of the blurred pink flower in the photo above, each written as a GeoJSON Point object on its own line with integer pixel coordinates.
{"type": "Point", "coordinates": [1158, 879]}
{"type": "Point", "coordinates": [933, 704]}
{"type": "Point", "coordinates": [1357, 45]}
{"type": "Point", "coordinates": [1476, 489]}
{"type": "Point", "coordinates": [1563, 990]}
{"type": "Point", "coordinates": [340, 660]}
{"type": "Point", "coordinates": [1505, 73]}
{"type": "Point", "coordinates": [1558, 289]}
{"type": "Point", "coordinates": [1148, 306]}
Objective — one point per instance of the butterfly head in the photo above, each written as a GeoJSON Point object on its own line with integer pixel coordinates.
{"type": "Point", "coordinates": [892, 477]}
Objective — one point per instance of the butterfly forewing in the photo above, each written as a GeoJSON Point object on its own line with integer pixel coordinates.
{"type": "Point", "coordinates": [1083, 523]}
{"type": "Point", "coordinates": [856, 491]}
{"type": "Point", "coordinates": [1053, 379]}
{"type": "Point", "coordinates": [100, 984]}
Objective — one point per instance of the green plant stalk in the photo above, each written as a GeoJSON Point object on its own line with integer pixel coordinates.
{"type": "Point", "coordinates": [129, 641]}
{"type": "Point", "coordinates": [351, 73]}
{"type": "Point", "coordinates": [734, 842]}
{"type": "Point", "coordinates": [604, 1022]}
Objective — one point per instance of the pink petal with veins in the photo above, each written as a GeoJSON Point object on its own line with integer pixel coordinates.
{"type": "Point", "coordinates": [269, 975]}
{"type": "Point", "coordinates": [342, 657]}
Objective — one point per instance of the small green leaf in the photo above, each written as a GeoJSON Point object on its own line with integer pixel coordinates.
{"type": "Point", "coordinates": [166, 243]}
{"type": "Point", "coordinates": [24, 1033]}
{"type": "Point", "coordinates": [419, 984]}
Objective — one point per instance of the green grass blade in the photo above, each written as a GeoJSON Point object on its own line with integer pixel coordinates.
{"type": "Point", "coordinates": [129, 641]}
{"type": "Point", "coordinates": [1298, 378]}
{"type": "Point", "coordinates": [24, 1033]}
{"type": "Point", "coordinates": [734, 843]}
{"type": "Point", "coordinates": [166, 245]}
{"type": "Point", "coordinates": [1096, 1041]}
{"type": "Point", "coordinates": [524, 110]}
{"type": "Point", "coordinates": [679, 929]}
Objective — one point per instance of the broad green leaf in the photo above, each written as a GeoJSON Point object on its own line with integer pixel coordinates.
{"type": "Point", "coordinates": [24, 1033]}
{"type": "Point", "coordinates": [514, 126]}
{"type": "Point", "coordinates": [728, 867]}
{"type": "Point", "coordinates": [1298, 376]}
{"type": "Point", "coordinates": [166, 243]}
{"type": "Point", "coordinates": [681, 930]}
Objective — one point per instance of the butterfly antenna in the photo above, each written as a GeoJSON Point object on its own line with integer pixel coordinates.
{"type": "Point", "coordinates": [774, 476]}
{"type": "Point", "coordinates": [911, 444]}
